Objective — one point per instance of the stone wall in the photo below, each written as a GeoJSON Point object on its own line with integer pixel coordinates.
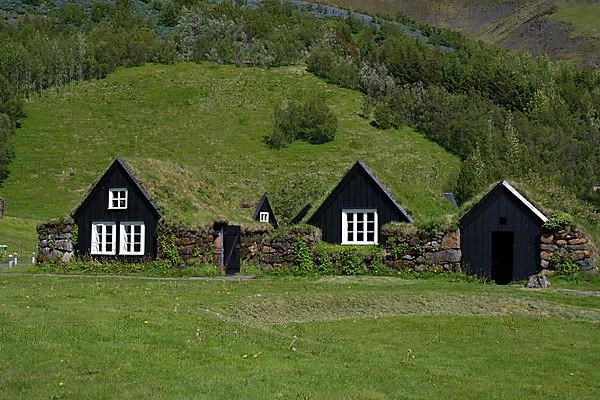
{"type": "Point", "coordinates": [271, 248]}
{"type": "Point", "coordinates": [258, 245]}
{"type": "Point", "coordinates": [406, 247]}
{"type": "Point", "coordinates": [189, 242]}
{"type": "Point", "coordinates": [571, 243]}
{"type": "Point", "coordinates": [55, 241]}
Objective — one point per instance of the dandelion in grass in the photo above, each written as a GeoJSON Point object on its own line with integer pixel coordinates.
{"type": "Point", "coordinates": [146, 322]}
{"type": "Point", "coordinates": [244, 356]}
{"type": "Point", "coordinates": [61, 384]}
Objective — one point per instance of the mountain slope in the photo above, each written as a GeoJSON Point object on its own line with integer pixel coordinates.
{"type": "Point", "coordinates": [557, 28]}
{"type": "Point", "coordinates": [194, 135]}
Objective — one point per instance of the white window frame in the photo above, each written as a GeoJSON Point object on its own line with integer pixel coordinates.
{"type": "Point", "coordinates": [123, 238]}
{"type": "Point", "coordinates": [111, 198]}
{"type": "Point", "coordinates": [98, 245]}
{"type": "Point", "coordinates": [263, 216]}
{"type": "Point", "coordinates": [362, 214]}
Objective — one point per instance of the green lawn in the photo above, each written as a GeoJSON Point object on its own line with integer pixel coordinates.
{"type": "Point", "coordinates": [74, 338]}
{"type": "Point", "coordinates": [194, 134]}
{"type": "Point", "coordinates": [584, 18]}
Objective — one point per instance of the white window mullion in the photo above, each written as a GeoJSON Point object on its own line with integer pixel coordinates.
{"type": "Point", "coordinates": [132, 234]}
{"type": "Point", "coordinates": [355, 223]}
{"type": "Point", "coordinates": [100, 244]}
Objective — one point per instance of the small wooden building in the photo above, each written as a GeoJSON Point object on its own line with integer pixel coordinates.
{"type": "Point", "coordinates": [117, 218]}
{"type": "Point", "coordinates": [264, 213]}
{"type": "Point", "coordinates": [357, 208]}
{"type": "Point", "coordinates": [500, 236]}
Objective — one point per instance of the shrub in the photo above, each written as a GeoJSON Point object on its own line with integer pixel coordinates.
{"type": "Point", "coordinates": [563, 265]}
{"type": "Point", "coordinates": [302, 258]}
{"type": "Point", "coordinates": [312, 121]}
{"type": "Point", "coordinates": [558, 220]}
{"type": "Point", "coordinates": [167, 243]}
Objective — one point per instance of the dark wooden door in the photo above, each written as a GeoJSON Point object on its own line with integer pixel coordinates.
{"type": "Point", "coordinates": [232, 249]}
{"type": "Point", "coordinates": [502, 257]}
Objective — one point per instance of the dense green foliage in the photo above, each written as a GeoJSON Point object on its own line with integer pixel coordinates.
{"type": "Point", "coordinates": [312, 121]}
{"type": "Point", "coordinates": [10, 110]}
{"type": "Point", "coordinates": [504, 115]}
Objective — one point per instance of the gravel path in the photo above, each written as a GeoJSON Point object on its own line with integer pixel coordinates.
{"type": "Point", "coordinates": [151, 278]}
{"type": "Point", "coordinates": [585, 292]}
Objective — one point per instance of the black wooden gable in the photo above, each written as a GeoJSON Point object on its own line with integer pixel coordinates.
{"type": "Point", "coordinates": [265, 206]}
{"type": "Point", "coordinates": [500, 189]}
{"type": "Point", "coordinates": [117, 167]}
{"type": "Point", "coordinates": [358, 189]}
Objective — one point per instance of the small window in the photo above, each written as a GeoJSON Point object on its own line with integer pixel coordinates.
{"type": "Point", "coordinates": [132, 238]}
{"type": "Point", "coordinates": [502, 220]}
{"type": "Point", "coordinates": [103, 238]}
{"type": "Point", "coordinates": [264, 216]}
{"type": "Point", "coordinates": [359, 227]}
{"type": "Point", "coordinates": [117, 199]}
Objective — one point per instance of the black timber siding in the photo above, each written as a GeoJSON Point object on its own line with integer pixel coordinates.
{"type": "Point", "coordinates": [476, 235]}
{"type": "Point", "coordinates": [95, 209]}
{"type": "Point", "coordinates": [357, 193]}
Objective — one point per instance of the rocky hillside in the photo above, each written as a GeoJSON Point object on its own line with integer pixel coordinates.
{"type": "Point", "coordinates": [557, 28]}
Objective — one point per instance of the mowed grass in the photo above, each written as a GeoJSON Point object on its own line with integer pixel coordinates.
{"type": "Point", "coordinates": [327, 338]}
{"type": "Point", "coordinates": [194, 135]}
{"type": "Point", "coordinates": [583, 18]}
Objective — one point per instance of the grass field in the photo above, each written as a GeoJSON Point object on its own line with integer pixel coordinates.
{"type": "Point", "coordinates": [355, 338]}
{"type": "Point", "coordinates": [584, 18]}
{"type": "Point", "coordinates": [194, 135]}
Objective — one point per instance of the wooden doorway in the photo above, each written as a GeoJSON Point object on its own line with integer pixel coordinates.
{"type": "Point", "coordinates": [502, 257]}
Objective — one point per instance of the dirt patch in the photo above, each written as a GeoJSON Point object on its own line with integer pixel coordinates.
{"type": "Point", "coordinates": [595, 293]}
{"type": "Point", "coordinates": [365, 280]}
{"type": "Point", "coordinates": [277, 309]}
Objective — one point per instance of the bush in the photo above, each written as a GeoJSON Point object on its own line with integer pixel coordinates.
{"type": "Point", "coordinates": [303, 264]}
{"type": "Point", "coordinates": [312, 121]}
{"type": "Point", "coordinates": [558, 220]}
{"type": "Point", "coordinates": [563, 265]}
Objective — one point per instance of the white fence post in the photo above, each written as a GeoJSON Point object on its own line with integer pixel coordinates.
{"type": "Point", "coordinates": [10, 261]}
{"type": "Point", "coordinates": [33, 258]}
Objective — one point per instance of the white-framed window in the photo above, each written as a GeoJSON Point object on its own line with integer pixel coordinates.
{"type": "Point", "coordinates": [359, 226]}
{"type": "Point", "coordinates": [263, 216]}
{"type": "Point", "coordinates": [132, 238]}
{"type": "Point", "coordinates": [104, 237]}
{"type": "Point", "coordinates": [117, 199]}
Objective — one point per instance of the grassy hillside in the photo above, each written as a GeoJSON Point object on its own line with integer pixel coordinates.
{"type": "Point", "coordinates": [194, 135]}
{"type": "Point", "coordinates": [584, 18]}
{"type": "Point", "coordinates": [356, 338]}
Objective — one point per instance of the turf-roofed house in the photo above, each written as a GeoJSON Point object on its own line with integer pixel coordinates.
{"type": "Point", "coordinates": [500, 235]}
{"type": "Point", "coordinates": [357, 208]}
{"type": "Point", "coordinates": [264, 213]}
{"type": "Point", "coordinates": [117, 218]}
